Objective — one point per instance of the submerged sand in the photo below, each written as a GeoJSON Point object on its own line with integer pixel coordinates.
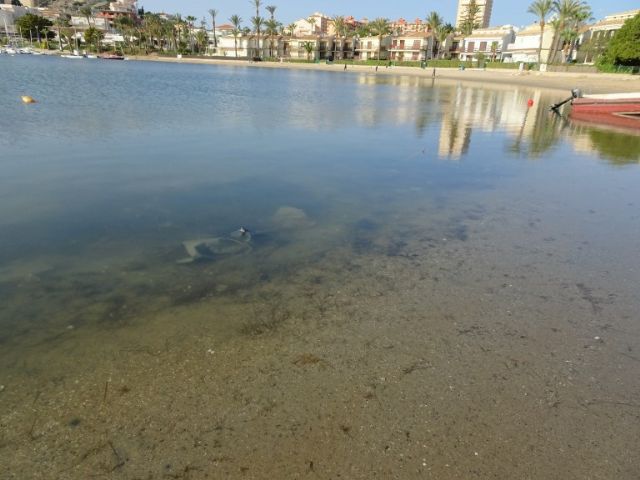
{"type": "Point", "coordinates": [445, 353]}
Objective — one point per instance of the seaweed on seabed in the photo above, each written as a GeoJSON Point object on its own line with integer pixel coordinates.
{"type": "Point", "coordinates": [265, 319]}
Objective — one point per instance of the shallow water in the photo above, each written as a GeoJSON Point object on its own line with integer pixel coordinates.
{"type": "Point", "coordinates": [441, 281]}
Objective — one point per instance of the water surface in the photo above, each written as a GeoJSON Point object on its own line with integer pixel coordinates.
{"type": "Point", "coordinates": [440, 282]}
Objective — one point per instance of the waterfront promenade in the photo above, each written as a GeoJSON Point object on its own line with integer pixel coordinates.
{"type": "Point", "coordinates": [561, 81]}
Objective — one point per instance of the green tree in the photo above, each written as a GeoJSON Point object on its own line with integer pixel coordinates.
{"type": "Point", "coordinates": [93, 36]}
{"type": "Point", "coordinates": [87, 12]}
{"type": "Point", "coordinates": [31, 25]}
{"type": "Point", "coordinates": [624, 47]}
{"type": "Point", "coordinates": [309, 47]}
{"type": "Point", "coordinates": [190, 19]}
{"type": "Point", "coordinates": [340, 27]}
{"type": "Point", "coordinates": [380, 27]}
{"type": "Point", "coordinates": [257, 23]}
{"type": "Point", "coordinates": [570, 14]}
{"type": "Point", "coordinates": [272, 11]}
{"type": "Point", "coordinates": [236, 21]}
{"type": "Point", "coordinates": [214, 13]}
{"type": "Point", "coordinates": [541, 9]}
{"type": "Point", "coordinates": [271, 29]}
{"type": "Point", "coordinates": [442, 34]}
{"type": "Point", "coordinates": [292, 29]}
{"type": "Point", "coordinates": [470, 22]}
{"type": "Point", "coordinates": [434, 22]}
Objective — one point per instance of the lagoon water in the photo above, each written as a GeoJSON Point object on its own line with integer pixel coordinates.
{"type": "Point", "coordinates": [441, 282]}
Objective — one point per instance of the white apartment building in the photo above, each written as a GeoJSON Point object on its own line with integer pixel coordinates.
{"type": "Point", "coordinates": [490, 42]}
{"type": "Point", "coordinates": [412, 47]}
{"type": "Point", "coordinates": [526, 44]}
{"type": "Point", "coordinates": [367, 48]}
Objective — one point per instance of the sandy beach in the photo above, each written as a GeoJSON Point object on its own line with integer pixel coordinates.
{"type": "Point", "coordinates": [587, 82]}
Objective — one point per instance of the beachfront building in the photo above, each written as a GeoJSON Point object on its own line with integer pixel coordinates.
{"type": "Point", "coordinates": [489, 43]}
{"type": "Point", "coordinates": [367, 48]}
{"type": "Point", "coordinates": [483, 17]}
{"type": "Point", "coordinates": [527, 43]}
{"type": "Point", "coordinates": [294, 47]}
{"type": "Point", "coordinates": [227, 46]}
{"type": "Point", "coordinates": [412, 47]}
{"type": "Point", "coordinates": [315, 24]}
{"type": "Point", "coordinates": [344, 48]}
{"type": "Point", "coordinates": [402, 26]}
{"type": "Point", "coordinates": [594, 38]}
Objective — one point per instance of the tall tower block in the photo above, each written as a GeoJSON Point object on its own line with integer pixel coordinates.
{"type": "Point", "coordinates": [483, 17]}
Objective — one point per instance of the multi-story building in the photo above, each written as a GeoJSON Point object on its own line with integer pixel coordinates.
{"type": "Point", "coordinates": [488, 42]}
{"type": "Point", "coordinates": [314, 24]}
{"type": "Point", "coordinates": [483, 17]}
{"type": "Point", "coordinates": [415, 46]}
{"type": "Point", "coordinates": [527, 43]}
{"type": "Point", "coordinates": [595, 37]}
{"type": "Point", "coordinates": [402, 26]}
{"type": "Point", "coordinates": [369, 48]}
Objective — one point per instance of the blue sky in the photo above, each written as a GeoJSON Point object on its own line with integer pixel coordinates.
{"type": "Point", "coordinates": [504, 11]}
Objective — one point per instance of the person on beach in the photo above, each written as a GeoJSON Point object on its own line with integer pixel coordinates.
{"type": "Point", "coordinates": [345, 67]}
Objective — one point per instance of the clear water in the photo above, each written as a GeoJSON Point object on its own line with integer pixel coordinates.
{"type": "Point", "coordinates": [381, 207]}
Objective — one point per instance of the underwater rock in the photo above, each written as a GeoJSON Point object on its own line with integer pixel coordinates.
{"type": "Point", "coordinates": [215, 247]}
{"type": "Point", "coordinates": [291, 217]}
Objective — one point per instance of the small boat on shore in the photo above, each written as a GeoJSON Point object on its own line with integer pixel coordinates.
{"type": "Point", "coordinates": [617, 109]}
{"type": "Point", "coordinates": [112, 57]}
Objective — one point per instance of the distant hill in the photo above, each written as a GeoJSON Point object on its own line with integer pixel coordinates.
{"type": "Point", "coordinates": [72, 5]}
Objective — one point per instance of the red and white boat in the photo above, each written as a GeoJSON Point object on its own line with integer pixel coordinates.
{"type": "Point", "coordinates": [616, 109]}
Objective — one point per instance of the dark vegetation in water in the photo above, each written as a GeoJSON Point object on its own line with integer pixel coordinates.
{"type": "Point", "coordinates": [266, 317]}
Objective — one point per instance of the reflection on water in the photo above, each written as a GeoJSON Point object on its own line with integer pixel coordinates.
{"type": "Point", "coordinates": [378, 273]}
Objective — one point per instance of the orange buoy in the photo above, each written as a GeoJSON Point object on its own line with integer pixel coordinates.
{"type": "Point", "coordinates": [28, 99]}
{"type": "Point", "coordinates": [530, 103]}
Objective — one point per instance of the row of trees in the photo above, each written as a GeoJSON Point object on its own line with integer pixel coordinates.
{"type": "Point", "coordinates": [178, 34]}
{"type": "Point", "coordinates": [567, 19]}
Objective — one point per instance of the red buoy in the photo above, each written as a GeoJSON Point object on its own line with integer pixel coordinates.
{"type": "Point", "coordinates": [530, 102]}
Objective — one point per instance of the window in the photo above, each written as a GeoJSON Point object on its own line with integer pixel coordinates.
{"type": "Point", "coordinates": [483, 46]}
{"type": "Point", "coordinates": [471, 47]}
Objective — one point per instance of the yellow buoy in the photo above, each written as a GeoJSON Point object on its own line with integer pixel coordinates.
{"type": "Point", "coordinates": [28, 99]}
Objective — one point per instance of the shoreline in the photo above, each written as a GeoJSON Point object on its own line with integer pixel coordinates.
{"type": "Point", "coordinates": [557, 81]}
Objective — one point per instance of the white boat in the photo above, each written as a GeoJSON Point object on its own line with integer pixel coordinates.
{"type": "Point", "coordinates": [74, 57]}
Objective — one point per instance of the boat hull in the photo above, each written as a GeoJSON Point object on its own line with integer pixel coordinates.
{"type": "Point", "coordinates": [623, 112]}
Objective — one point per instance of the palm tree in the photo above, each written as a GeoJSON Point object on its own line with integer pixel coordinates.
{"type": "Point", "coordinates": [292, 29]}
{"type": "Point", "coordinates": [340, 26]}
{"type": "Point", "coordinates": [434, 21]}
{"type": "Point", "coordinates": [442, 34]}
{"type": "Point", "coordinates": [190, 19]}
{"type": "Point", "coordinates": [570, 14]}
{"type": "Point", "coordinates": [236, 21]}
{"type": "Point", "coordinates": [272, 11]}
{"type": "Point", "coordinates": [380, 27]}
{"type": "Point", "coordinates": [257, 23]}
{"type": "Point", "coordinates": [87, 13]}
{"type": "Point", "coordinates": [271, 28]}
{"type": "Point", "coordinates": [312, 21]}
{"type": "Point", "coordinates": [61, 22]}
{"type": "Point", "coordinates": [214, 13]}
{"type": "Point", "coordinates": [541, 9]}
{"type": "Point", "coordinates": [309, 47]}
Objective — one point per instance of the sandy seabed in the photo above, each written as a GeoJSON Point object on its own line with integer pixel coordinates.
{"type": "Point", "coordinates": [426, 353]}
